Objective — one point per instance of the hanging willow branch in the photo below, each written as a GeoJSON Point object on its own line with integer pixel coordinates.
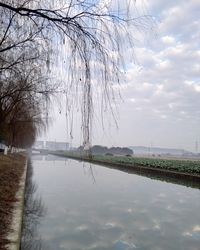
{"type": "Point", "coordinates": [94, 37]}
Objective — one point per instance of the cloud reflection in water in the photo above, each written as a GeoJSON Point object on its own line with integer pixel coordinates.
{"type": "Point", "coordinates": [117, 211]}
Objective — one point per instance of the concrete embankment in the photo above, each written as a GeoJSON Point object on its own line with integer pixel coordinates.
{"type": "Point", "coordinates": [14, 234]}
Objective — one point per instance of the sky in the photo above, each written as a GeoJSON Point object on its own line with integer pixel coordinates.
{"type": "Point", "coordinates": [161, 92]}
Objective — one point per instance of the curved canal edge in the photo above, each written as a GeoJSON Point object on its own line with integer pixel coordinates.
{"type": "Point", "coordinates": [14, 236]}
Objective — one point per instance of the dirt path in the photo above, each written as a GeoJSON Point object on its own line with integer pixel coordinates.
{"type": "Point", "coordinates": [11, 170]}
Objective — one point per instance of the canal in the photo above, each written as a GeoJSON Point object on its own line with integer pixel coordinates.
{"type": "Point", "coordinates": [80, 206]}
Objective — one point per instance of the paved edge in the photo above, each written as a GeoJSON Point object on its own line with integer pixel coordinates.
{"type": "Point", "coordinates": [14, 236]}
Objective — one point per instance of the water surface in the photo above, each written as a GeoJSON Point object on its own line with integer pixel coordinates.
{"type": "Point", "coordinates": [90, 207]}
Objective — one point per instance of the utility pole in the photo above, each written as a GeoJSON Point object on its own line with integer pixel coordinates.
{"type": "Point", "coordinates": [196, 146]}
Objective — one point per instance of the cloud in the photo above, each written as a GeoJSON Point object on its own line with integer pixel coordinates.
{"type": "Point", "coordinates": [162, 88]}
{"type": "Point", "coordinates": [196, 228]}
{"type": "Point", "coordinates": [166, 73]}
{"type": "Point", "coordinates": [168, 40]}
{"type": "Point", "coordinates": [166, 84]}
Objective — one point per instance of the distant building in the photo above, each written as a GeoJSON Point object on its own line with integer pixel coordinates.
{"type": "Point", "coordinates": [50, 145]}
{"type": "Point", "coordinates": [62, 146]}
{"type": "Point", "coordinates": [39, 144]}
{"type": "Point", "coordinates": [141, 150]}
{"type": "Point", "coordinates": [53, 145]}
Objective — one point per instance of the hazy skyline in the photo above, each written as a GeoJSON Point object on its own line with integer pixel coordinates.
{"type": "Point", "coordinates": [160, 105]}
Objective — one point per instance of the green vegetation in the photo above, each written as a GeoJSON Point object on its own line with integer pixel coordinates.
{"type": "Point", "coordinates": [184, 166]}
{"type": "Point", "coordinates": [177, 165]}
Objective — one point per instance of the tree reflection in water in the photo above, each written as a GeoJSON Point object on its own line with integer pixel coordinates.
{"type": "Point", "coordinates": [34, 209]}
{"type": "Point", "coordinates": [88, 170]}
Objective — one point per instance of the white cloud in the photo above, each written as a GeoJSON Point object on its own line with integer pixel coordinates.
{"type": "Point", "coordinates": [196, 228]}
{"type": "Point", "coordinates": [168, 40]}
{"type": "Point", "coordinates": [197, 88]}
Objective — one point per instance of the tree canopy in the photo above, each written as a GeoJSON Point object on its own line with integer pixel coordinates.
{"type": "Point", "coordinates": [85, 39]}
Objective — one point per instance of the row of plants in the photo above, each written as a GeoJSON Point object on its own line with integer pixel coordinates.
{"type": "Point", "coordinates": [186, 166]}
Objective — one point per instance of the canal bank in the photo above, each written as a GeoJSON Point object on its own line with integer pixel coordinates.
{"type": "Point", "coordinates": [12, 186]}
{"type": "Point", "coordinates": [172, 169]}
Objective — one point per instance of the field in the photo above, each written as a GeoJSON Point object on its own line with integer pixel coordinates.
{"type": "Point", "coordinates": [177, 165]}
{"type": "Point", "coordinates": [183, 166]}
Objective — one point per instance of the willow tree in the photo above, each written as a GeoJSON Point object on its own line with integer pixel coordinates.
{"type": "Point", "coordinates": [84, 38]}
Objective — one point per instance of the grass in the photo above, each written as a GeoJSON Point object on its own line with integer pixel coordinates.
{"type": "Point", "coordinates": [11, 170]}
